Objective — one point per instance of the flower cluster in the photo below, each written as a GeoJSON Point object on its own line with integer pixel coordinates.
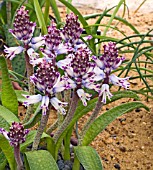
{"type": "Point", "coordinates": [81, 70]}
{"type": "Point", "coordinates": [106, 63]}
{"type": "Point", "coordinates": [23, 31]}
{"type": "Point", "coordinates": [16, 135]}
{"type": "Point", "coordinates": [23, 28]}
{"type": "Point", "coordinates": [72, 31]}
{"type": "Point", "coordinates": [48, 80]}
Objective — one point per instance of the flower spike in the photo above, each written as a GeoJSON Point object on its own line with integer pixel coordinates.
{"type": "Point", "coordinates": [16, 135]}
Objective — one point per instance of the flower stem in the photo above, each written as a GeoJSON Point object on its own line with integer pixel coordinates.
{"type": "Point", "coordinates": [18, 158]}
{"type": "Point", "coordinates": [40, 130]}
{"type": "Point", "coordinates": [91, 119]}
{"type": "Point", "coordinates": [69, 116]}
{"type": "Point", "coordinates": [31, 86]}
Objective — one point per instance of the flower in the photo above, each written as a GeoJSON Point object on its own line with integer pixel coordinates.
{"type": "Point", "coordinates": [83, 96]}
{"type": "Point", "coordinates": [12, 51]}
{"type": "Point", "coordinates": [104, 92]}
{"type": "Point", "coordinates": [23, 28]}
{"type": "Point", "coordinates": [58, 105]}
{"type": "Point", "coordinates": [119, 81]}
{"type": "Point", "coordinates": [16, 135]}
{"type": "Point", "coordinates": [23, 31]}
{"type": "Point", "coordinates": [79, 72]}
{"type": "Point", "coordinates": [48, 80]}
{"type": "Point", "coordinates": [106, 63]}
{"type": "Point", "coordinates": [71, 32]}
{"type": "Point", "coordinates": [53, 42]}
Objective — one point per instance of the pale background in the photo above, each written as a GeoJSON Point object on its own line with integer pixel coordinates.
{"type": "Point", "coordinates": [102, 4]}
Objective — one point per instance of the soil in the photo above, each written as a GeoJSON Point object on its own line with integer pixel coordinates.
{"type": "Point", "coordinates": [127, 143]}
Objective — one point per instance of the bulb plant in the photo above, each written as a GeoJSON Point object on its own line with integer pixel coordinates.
{"type": "Point", "coordinates": [59, 61]}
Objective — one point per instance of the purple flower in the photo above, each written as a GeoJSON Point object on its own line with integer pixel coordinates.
{"type": "Point", "coordinates": [16, 135]}
{"type": "Point", "coordinates": [53, 42]}
{"type": "Point", "coordinates": [48, 80]}
{"type": "Point", "coordinates": [71, 31]}
{"type": "Point", "coordinates": [79, 72]}
{"type": "Point", "coordinates": [106, 63]}
{"type": "Point", "coordinates": [23, 28]}
{"type": "Point", "coordinates": [23, 31]}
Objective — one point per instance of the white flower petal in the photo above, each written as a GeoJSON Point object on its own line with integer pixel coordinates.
{"type": "Point", "coordinates": [31, 99]}
{"type": "Point", "coordinates": [4, 133]}
{"type": "Point", "coordinates": [83, 96]}
{"type": "Point", "coordinates": [44, 104]}
{"type": "Point", "coordinates": [119, 81]}
{"type": "Point", "coordinates": [98, 62]}
{"type": "Point", "coordinates": [105, 93]}
{"type": "Point", "coordinates": [37, 45]}
{"type": "Point", "coordinates": [35, 40]}
{"type": "Point", "coordinates": [61, 49]}
{"type": "Point", "coordinates": [12, 51]}
{"type": "Point", "coordinates": [99, 74]}
{"type": "Point", "coordinates": [32, 54]}
{"type": "Point", "coordinates": [58, 105]}
{"type": "Point", "coordinates": [63, 63]}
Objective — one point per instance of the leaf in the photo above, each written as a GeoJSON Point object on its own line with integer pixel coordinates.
{"type": "Point", "coordinates": [19, 93]}
{"type": "Point", "coordinates": [3, 161]}
{"type": "Point", "coordinates": [88, 157]}
{"type": "Point", "coordinates": [30, 138]}
{"type": "Point", "coordinates": [55, 10]}
{"type": "Point", "coordinates": [82, 110]}
{"type": "Point", "coordinates": [8, 96]}
{"type": "Point", "coordinates": [8, 115]}
{"type": "Point", "coordinates": [8, 151]}
{"type": "Point", "coordinates": [106, 118]}
{"type": "Point", "coordinates": [18, 64]}
{"type": "Point", "coordinates": [41, 160]}
{"type": "Point", "coordinates": [40, 17]}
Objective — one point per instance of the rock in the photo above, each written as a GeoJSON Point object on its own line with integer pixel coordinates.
{"type": "Point", "coordinates": [109, 141]}
{"type": "Point", "coordinates": [60, 164]}
{"type": "Point", "coordinates": [122, 148]}
{"type": "Point", "coordinates": [117, 166]}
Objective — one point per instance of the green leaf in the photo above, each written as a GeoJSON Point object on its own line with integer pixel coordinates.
{"type": "Point", "coordinates": [41, 160]}
{"type": "Point", "coordinates": [106, 118]}
{"type": "Point", "coordinates": [40, 17]}
{"type": "Point", "coordinates": [4, 124]}
{"type": "Point", "coordinates": [30, 138]}
{"type": "Point", "coordinates": [88, 157]}
{"type": "Point", "coordinates": [8, 115]}
{"type": "Point", "coordinates": [18, 64]}
{"type": "Point", "coordinates": [82, 110]}
{"type": "Point", "coordinates": [19, 95]}
{"type": "Point", "coordinates": [8, 151]}
{"type": "Point", "coordinates": [8, 96]}
{"type": "Point", "coordinates": [55, 10]}
{"type": "Point", "coordinates": [3, 161]}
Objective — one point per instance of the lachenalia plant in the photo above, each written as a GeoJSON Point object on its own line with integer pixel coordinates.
{"type": "Point", "coordinates": [56, 62]}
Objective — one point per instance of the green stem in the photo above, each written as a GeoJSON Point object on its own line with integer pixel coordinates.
{"type": "Point", "coordinates": [69, 116]}
{"type": "Point", "coordinates": [40, 130]}
{"type": "Point", "coordinates": [18, 158]}
{"type": "Point", "coordinates": [91, 119]}
{"type": "Point", "coordinates": [67, 145]}
{"type": "Point", "coordinates": [76, 164]}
